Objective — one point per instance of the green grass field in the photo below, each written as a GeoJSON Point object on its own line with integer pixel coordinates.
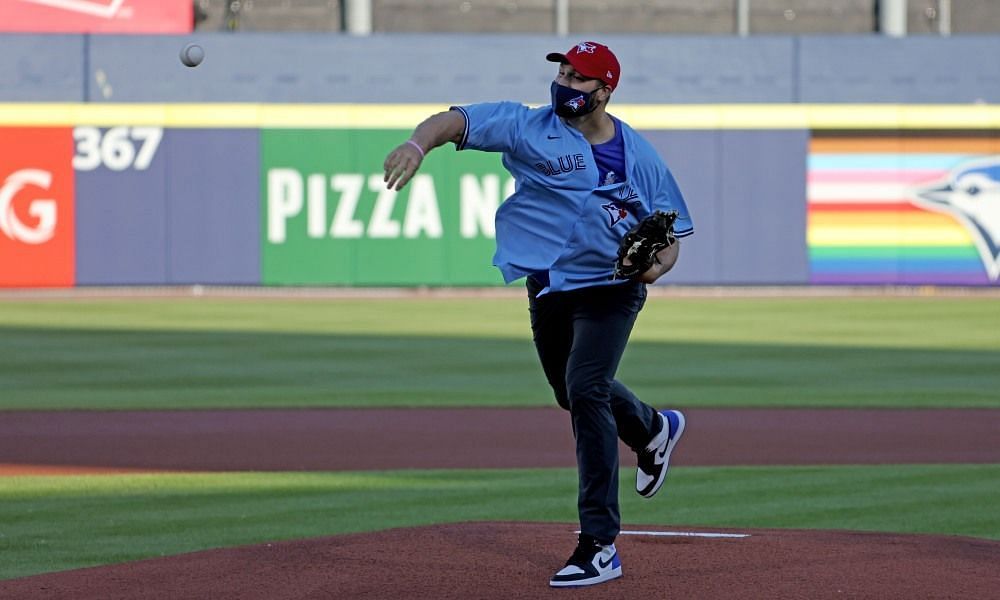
{"type": "Point", "coordinates": [56, 523]}
{"type": "Point", "coordinates": [211, 353]}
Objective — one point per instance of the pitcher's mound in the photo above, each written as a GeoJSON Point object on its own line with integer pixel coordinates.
{"type": "Point", "coordinates": [515, 560]}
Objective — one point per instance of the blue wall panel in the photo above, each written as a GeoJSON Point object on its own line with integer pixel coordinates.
{"type": "Point", "coordinates": [269, 67]}
{"type": "Point", "coordinates": [761, 233]}
{"type": "Point", "coordinates": [191, 216]}
{"type": "Point", "coordinates": [704, 69]}
{"type": "Point", "coordinates": [446, 68]}
{"type": "Point", "coordinates": [213, 210]}
{"type": "Point", "coordinates": [42, 68]}
{"type": "Point", "coordinates": [747, 194]}
{"type": "Point", "coordinates": [121, 226]}
{"type": "Point", "coordinates": [918, 69]}
{"type": "Point", "coordinates": [693, 157]}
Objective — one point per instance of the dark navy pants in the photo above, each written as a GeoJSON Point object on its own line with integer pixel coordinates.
{"type": "Point", "coordinates": [580, 336]}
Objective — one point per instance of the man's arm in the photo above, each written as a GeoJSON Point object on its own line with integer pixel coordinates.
{"type": "Point", "coordinates": [666, 259]}
{"type": "Point", "coordinates": [402, 163]}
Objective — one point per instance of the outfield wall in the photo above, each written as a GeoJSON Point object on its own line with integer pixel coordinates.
{"type": "Point", "coordinates": [450, 68]}
{"type": "Point", "coordinates": [266, 182]}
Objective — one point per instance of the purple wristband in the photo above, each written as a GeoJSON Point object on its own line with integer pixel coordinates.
{"type": "Point", "coordinates": [417, 146]}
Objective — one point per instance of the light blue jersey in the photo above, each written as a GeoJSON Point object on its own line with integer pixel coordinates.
{"type": "Point", "coordinates": [560, 221]}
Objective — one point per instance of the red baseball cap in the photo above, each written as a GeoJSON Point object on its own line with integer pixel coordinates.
{"type": "Point", "coordinates": [592, 60]}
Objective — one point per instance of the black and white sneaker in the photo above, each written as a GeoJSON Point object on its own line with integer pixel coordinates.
{"type": "Point", "coordinates": [655, 459]}
{"type": "Point", "coordinates": [590, 563]}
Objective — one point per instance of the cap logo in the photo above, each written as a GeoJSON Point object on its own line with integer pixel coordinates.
{"type": "Point", "coordinates": [585, 47]}
{"type": "Point", "coordinates": [609, 75]}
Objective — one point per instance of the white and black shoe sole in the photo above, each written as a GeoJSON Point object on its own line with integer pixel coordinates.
{"type": "Point", "coordinates": [606, 576]}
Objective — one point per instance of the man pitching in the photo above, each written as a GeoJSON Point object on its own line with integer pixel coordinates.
{"type": "Point", "coordinates": [596, 216]}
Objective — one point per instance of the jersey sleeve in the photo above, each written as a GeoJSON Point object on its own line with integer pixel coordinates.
{"type": "Point", "coordinates": [669, 197]}
{"type": "Point", "coordinates": [492, 126]}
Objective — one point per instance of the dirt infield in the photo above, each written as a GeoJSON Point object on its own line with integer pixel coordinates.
{"type": "Point", "coordinates": [510, 560]}
{"type": "Point", "coordinates": [354, 439]}
{"type": "Point", "coordinates": [489, 561]}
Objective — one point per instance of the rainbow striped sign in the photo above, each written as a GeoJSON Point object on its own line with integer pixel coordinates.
{"type": "Point", "coordinates": [917, 209]}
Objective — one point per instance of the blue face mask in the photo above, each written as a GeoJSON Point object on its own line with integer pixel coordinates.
{"type": "Point", "coordinates": [569, 103]}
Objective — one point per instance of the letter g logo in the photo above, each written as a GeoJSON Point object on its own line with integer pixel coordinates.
{"type": "Point", "coordinates": [43, 209]}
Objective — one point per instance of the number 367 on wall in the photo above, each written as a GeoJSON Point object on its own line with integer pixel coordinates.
{"type": "Point", "coordinates": [117, 148]}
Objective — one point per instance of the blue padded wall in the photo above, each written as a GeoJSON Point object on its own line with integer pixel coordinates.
{"type": "Point", "coordinates": [42, 68]}
{"type": "Point", "coordinates": [442, 68]}
{"type": "Point", "coordinates": [908, 70]}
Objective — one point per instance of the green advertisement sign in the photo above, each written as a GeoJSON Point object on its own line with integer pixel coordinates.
{"type": "Point", "coordinates": [328, 218]}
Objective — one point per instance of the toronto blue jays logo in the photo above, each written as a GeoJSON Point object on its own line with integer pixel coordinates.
{"type": "Point", "coordinates": [575, 104]}
{"type": "Point", "coordinates": [971, 195]}
{"type": "Point", "coordinates": [586, 47]}
{"type": "Point", "coordinates": [619, 209]}
{"type": "Point", "coordinates": [616, 210]}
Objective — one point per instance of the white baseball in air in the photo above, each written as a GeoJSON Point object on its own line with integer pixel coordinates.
{"type": "Point", "coordinates": [192, 55]}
